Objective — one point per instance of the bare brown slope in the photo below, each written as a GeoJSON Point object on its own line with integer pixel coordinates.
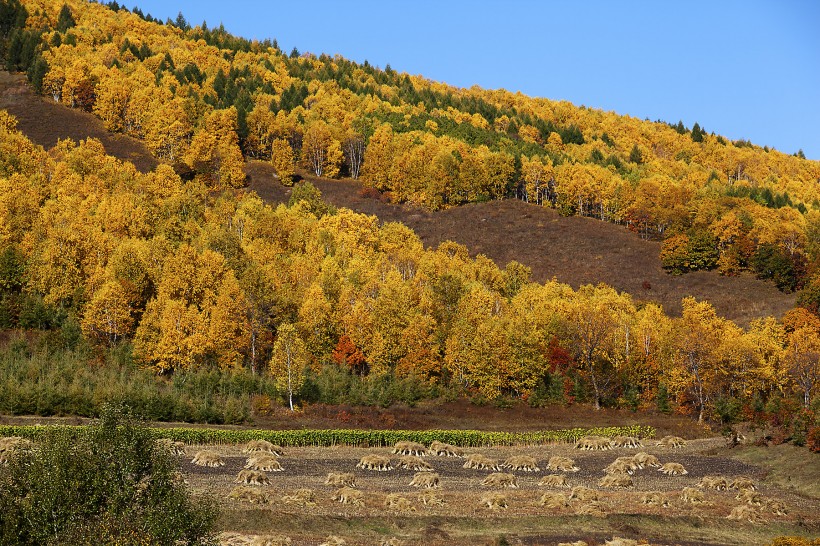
{"type": "Point", "coordinates": [44, 122]}
{"type": "Point", "coordinates": [574, 250]}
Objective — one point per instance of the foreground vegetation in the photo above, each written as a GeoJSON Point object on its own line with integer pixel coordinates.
{"type": "Point", "coordinates": [110, 485]}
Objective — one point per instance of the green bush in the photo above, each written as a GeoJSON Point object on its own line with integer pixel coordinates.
{"type": "Point", "coordinates": [663, 400]}
{"type": "Point", "coordinates": [728, 409]}
{"type": "Point", "coordinates": [103, 485]}
{"type": "Point", "coordinates": [813, 439]}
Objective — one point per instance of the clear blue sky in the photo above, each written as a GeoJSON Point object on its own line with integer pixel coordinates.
{"type": "Point", "coordinates": [744, 69]}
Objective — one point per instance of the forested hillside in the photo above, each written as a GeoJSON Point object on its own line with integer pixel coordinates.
{"type": "Point", "coordinates": [198, 276]}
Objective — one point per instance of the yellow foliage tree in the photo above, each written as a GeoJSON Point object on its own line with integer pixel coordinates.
{"type": "Point", "coordinates": [214, 151]}
{"type": "Point", "coordinates": [803, 358]}
{"type": "Point", "coordinates": [699, 334]}
{"type": "Point", "coordinates": [288, 361]}
{"type": "Point", "coordinates": [282, 158]}
{"type": "Point", "coordinates": [321, 152]}
{"type": "Point", "coordinates": [109, 314]}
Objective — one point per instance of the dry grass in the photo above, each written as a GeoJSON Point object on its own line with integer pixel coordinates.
{"type": "Point", "coordinates": [264, 463]}
{"type": "Point", "coordinates": [339, 479]}
{"type": "Point", "coordinates": [553, 500]}
{"type": "Point", "coordinates": [616, 480]}
{"type": "Point", "coordinates": [263, 446]}
{"type": "Point", "coordinates": [479, 461]}
{"type": "Point", "coordinates": [672, 441]}
{"type": "Point", "coordinates": [410, 448]}
{"type": "Point", "coordinates": [718, 483]}
{"type": "Point", "coordinates": [521, 463]}
{"type": "Point", "coordinates": [785, 467]}
{"type": "Point", "coordinates": [426, 479]}
{"type": "Point", "coordinates": [208, 458]}
{"type": "Point", "coordinates": [673, 469]}
{"type": "Point", "coordinates": [375, 462]}
{"type": "Point", "coordinates": [252, 477]}
{"type": "Point", "coordinates": [554, 480]}
{"type": "Point", "coordinates": [500, 479]}
{"type": "Point", "coordinates": [412, 462]}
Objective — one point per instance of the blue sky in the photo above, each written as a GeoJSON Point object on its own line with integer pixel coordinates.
{"type": "Point", "coordinates": [743, 69]}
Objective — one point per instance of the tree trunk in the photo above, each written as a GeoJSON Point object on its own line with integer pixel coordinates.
{"type": "Point", "coordinates": [594, 385]}
{"type": "Point", "coordinates": [253, 350]}
{"type": "Point", "coordinates": [290, 382]}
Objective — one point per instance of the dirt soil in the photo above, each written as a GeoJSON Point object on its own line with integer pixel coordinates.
{"type": "Point", "coordinates": [462, 519]}
{"type": "Point", "coordinates": [572, 250]}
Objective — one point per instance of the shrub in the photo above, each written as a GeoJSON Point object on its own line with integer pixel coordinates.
{"type": "Point", "coordinates": [106, 484]}
{"type": "Point", "coordinates": [728, 409]}
{"type": "Point", "coordinates": [813, 439]}
{"type": "Point", "coordinates": [800, 427]}
{"type": "Point", "coordinates": [664, 405]}
{"type": "Point", "coordinates": [49, 377]}
{"type": "Point", "coordinates": [369, 192]}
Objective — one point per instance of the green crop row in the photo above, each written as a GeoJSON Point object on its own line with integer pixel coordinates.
{"type": "Point", "coordinates": [359, 438]}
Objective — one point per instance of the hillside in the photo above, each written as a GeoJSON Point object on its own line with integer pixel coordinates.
{"type": "Point", "coordinates": [44, 122]}
{"type": "Point", "coordinates": [574, 250]}
{"type": "Point", "coordinates": [204, 101]}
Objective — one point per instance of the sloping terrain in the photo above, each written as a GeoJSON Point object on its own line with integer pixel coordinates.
{"type": "Point", "coordinates": [574, 250]}
{"type": "Point", "coordinates": [45, 122]}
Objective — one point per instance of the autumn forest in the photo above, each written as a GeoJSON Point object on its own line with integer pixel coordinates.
{"type": "Point", "coordinates": [180, 271]}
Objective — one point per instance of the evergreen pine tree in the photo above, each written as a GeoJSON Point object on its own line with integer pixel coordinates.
{"type": "Point", "coordinates": [697, 133]}
{"type": "Point", "coordinates": [65, 20]}
{"type": "Point", "coordinates": [635, 155]}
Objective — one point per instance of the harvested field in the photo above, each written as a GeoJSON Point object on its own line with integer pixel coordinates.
{"type": "Point", "coordinates": [461, 518]}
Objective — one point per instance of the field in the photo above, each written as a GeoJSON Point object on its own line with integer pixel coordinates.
{"type": "Point", "coordinates": [463, 520]}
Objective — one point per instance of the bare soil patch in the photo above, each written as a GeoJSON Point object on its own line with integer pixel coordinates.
{"type": "Point", "coordinates": [44, 122]}
{"type": "Point", "coordinates": [572, 250]}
